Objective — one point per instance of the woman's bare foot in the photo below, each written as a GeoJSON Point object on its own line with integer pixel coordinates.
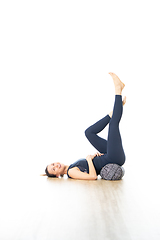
{"type": "Point", "coordinates": [119, 85]}
{"type": "Point", "coordinates": [123, 102]}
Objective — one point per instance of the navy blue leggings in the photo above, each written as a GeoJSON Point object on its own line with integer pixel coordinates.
{"type": "Point", "coordinates": [112, 148]}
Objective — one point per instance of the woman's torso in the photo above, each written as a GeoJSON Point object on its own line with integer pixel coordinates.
{"type": "Point", "coordinates": [82, 164]}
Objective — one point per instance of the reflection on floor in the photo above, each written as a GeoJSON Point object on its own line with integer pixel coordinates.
{"type": "Point", "coordinates": [44, 209]}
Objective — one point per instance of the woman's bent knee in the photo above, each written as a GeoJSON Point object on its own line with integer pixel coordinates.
{"type": "Point", "coordinates": [87, 133]}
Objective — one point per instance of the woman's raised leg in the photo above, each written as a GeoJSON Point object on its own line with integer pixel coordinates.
{"type": "Point", "coordinates": [114, 147]}
{"type": "Point", "coordinates": [91, 133]}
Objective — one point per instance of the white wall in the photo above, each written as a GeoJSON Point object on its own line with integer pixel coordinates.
{"type": "Point", "coordinates": [55, 57]}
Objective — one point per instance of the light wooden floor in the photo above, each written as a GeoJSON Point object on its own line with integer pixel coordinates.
{"type": "Point", "coordinates": [64, 209]}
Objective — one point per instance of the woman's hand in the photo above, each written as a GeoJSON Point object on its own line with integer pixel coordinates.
{"type": "Point", "coordinates": [98, 154]}
{"type": "Point", "coordinates": [91, 157]}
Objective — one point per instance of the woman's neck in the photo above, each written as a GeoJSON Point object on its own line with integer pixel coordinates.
{"type": "Point", "coordinates": [65, 169]}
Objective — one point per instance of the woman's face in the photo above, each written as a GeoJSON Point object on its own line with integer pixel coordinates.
{"type": "Point", "coordinates": [56, 168]}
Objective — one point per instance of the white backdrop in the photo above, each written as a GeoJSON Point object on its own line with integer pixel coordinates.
{"type": "Point", "coordinates": [55, 57]}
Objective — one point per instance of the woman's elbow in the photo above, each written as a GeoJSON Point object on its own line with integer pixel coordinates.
{"type": "Point", "coordinates": [94, 178]}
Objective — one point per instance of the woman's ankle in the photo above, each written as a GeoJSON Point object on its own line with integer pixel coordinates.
{"type": "Point", "coordinates": [118, 90]}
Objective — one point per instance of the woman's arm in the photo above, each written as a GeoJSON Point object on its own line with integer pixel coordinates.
{"type": "Point", "coordinates": [92, 171]}
{"type": "Point", "coordinates": [75, 173]}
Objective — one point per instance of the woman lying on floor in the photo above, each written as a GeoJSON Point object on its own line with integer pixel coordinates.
{"type": "Point", "coordinates": [111, 150]}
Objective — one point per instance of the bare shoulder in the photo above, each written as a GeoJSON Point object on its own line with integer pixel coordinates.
{"type": "Point", "coordinates": [75, 173]}
{"type": "Point", "coordinates": [73, 170]}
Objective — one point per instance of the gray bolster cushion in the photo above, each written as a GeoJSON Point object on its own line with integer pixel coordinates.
{"type": "Point", "coordinates": [112, 172]}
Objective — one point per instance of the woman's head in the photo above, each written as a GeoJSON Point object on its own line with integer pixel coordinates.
{"type": "Point", "coordinates": [55, 169]}
{"type": "Point", "coordinates": [48, 174]}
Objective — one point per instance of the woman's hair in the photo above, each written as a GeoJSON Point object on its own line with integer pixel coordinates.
{"type": "Point", "coordinates": [48, 174]}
